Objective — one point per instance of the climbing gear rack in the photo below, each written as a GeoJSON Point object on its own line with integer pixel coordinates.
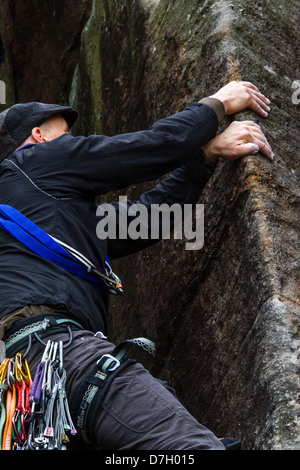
{"type": "Point", "coordinates": [35, 413]}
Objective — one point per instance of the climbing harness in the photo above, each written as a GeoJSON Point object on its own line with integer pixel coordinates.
{"type": "Point", "coordinates": [97, 381]}
{"type": "Point", "coordinates": [24, 332]}
{"type": "Point", "coordinates": [52, 249]}
{"type": "Point", "coordinates": [35, 413]}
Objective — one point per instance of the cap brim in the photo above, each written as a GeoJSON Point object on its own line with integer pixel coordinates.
{"type": "Point", "coordinates": [71, 116]}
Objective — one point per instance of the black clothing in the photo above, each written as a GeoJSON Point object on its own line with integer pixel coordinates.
{"type": "Point", "coordinates": [55, 183]}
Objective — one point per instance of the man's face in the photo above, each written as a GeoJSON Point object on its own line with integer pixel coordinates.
{"type": "Point", "coordinates": [53, 128]}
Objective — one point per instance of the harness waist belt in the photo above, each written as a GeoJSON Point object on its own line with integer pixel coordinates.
{"type": "Point", "coordinates": [24, 328]}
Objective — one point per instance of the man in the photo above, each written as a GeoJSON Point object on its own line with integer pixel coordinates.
{"type": "Point", "coordinates": [52, 178]}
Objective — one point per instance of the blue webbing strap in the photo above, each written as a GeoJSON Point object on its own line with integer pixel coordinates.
{"type": "Point", "coordinates": [38, 241]}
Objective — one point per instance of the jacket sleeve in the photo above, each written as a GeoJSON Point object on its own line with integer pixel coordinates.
{"type": "Point", "coordinates": [180, 192]}
{"type": "Point", "coordinates": [95, 165]}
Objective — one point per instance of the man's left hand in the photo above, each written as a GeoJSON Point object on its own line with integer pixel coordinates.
{"type": "Point", "coordinates": [237, 96]}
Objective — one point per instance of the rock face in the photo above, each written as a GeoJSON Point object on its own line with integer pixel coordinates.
{"type": "Point", "coordinates": [225, 319]}
{"type": "Point", "coordinates": [42, 41]}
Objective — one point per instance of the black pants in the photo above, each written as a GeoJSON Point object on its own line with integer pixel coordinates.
{"type": "Point", "coordinates": [138, 411]}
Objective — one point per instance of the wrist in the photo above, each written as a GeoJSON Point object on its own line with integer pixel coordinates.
{"type": "Point", "coordinates": [210, 150]}
{"type": "Point", "coordinates": [223, 99]}
{"type": "Point", "coordinates": [216, 105]}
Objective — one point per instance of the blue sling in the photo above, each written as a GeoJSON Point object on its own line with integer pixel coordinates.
{"type": "Point", "coordinates": [38, 241]}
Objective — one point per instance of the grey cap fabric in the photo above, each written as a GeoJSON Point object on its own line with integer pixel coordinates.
{"type": "Point", "coordinates": [17, 122]}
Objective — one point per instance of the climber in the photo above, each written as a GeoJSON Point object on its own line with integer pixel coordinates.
{"type": "Point", "coordinates": [52, 178]}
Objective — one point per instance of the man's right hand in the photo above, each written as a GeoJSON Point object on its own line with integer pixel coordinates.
{"type": "Point", "coordinates": [237, 96]}
{"type": "Point", "coordinates": [238, 140]}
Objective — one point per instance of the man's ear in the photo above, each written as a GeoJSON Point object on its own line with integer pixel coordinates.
{"type": "Point", "coordinates": [38, 135]}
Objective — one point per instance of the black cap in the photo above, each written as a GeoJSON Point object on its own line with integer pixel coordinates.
{"type": "Point", "coordinates": [17, 122]}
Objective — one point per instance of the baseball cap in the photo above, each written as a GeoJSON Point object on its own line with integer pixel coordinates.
{"type": "Point", "coordinates": [17, 122]}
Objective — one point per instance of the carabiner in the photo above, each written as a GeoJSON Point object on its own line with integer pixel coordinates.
{"type": "Point", "coordinates": [10, 377]}
{"type": "Point", "coordinates": [20, 435]}
{"type": "Point", "coordinates": [15, 425]}
{"type": "Point", "coordinates": [3, 370]}
{"type": "Point", "coordinates": [22, 368]}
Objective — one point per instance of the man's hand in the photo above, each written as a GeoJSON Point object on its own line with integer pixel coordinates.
{"type": "Point", "coordinates": [238, 96]}
{"type": "Point", "coordinates": [238, 140]}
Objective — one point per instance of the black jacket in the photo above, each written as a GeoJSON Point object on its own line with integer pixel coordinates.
{"type": "Point", "coordinates": [55, 183]}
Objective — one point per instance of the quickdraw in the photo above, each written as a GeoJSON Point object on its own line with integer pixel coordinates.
{"type": "Point", "coordinates": [22, 412]}
{"type": "Point", "coordinates": [15, 382]}
{"type": "Point", "coordinates": [34, 413]}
